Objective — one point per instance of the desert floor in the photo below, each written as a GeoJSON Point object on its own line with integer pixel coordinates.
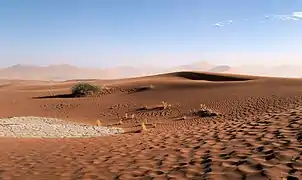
{"type": "Point", "coordinates": [257, 135]}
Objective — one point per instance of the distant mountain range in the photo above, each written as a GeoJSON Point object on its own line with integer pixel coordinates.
{"type": "Point", "coordinates": [67, 72]}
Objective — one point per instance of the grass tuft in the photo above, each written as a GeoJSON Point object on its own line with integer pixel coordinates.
{"type": "Point", "coordinates": [99, 123]}
{"type": "Point", "coordinates": [143, 126]}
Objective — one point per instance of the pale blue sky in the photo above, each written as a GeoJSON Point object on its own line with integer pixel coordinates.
{"type": "Point", "coordinates": [106, 33]}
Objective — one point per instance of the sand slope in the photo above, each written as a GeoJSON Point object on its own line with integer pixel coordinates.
{"type": "Point", "coordinates": [62, 72]}
{"type": "Point", "coordinates": [257, 135]}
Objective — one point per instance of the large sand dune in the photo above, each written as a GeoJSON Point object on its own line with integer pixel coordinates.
{"type": "Point", "coordinates": [257, 134]}
{"type": "Point", "coordinates": [68, 72]}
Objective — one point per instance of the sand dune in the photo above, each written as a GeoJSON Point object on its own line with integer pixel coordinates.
{"type": "Point", "coordinates": [68, 72]}
{"type": "Point", "coordinates": [211, 76]}
{"type": "Point", "coordinates": [256, 135]}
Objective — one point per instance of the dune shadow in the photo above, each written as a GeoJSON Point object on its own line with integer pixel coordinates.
{"type": "Point", "coordinates": [145, 109]}
{"type": "Point", "coordinates": [141, 89]}
{"type": "Point", "coordinates": [4, 85]}
{"type": "Point", "coordinates": [56, 96]}
{"type": "Point", "coordinates": [210, 77]}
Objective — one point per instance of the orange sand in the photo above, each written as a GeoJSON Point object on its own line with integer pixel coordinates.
{"type": "Point", "coordinates": [257, 136]}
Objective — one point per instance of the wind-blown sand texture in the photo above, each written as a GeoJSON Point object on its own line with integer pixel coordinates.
{"type": "Point", "coordinates": [257, 134]}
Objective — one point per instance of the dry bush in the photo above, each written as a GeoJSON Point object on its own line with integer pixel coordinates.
{"type": "Point", "coordinates": [165, 105]}
{"type": "Point", "coordinates": [143, 126]}
{"type": "Point", "coordinates": [151, 86]}
{"type": "Point", "coordinates": [99, 123]}
{"type": "Point", "coordinates": [204, 112]}
{"type": "Point", "coordinates": [85, 89]}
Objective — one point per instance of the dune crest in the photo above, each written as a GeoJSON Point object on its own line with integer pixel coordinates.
{"type": "Point", "coordinates": [63, 72]}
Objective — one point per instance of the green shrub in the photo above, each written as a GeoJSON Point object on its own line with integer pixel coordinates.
{"type": "Point", "coordinates": [85, 89]}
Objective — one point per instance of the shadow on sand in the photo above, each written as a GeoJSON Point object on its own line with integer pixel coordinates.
{"type": "Point", "coordinates": [211, 77]}
{"type": "Point", "coordinates": [56, 96]}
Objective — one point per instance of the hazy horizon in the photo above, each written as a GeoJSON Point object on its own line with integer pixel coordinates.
{"type": "Point", "coordinates": [140, 32]}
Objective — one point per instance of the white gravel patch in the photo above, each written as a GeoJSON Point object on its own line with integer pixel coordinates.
{"type": "Point", "coordinates": [41, 127]}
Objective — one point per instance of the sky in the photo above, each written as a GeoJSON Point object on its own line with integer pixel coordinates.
{"type": "Point", "coordinates": [105, 33]}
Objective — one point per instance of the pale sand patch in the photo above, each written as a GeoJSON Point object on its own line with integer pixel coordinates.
{"type": "Point", "coordinates": [41, 127]}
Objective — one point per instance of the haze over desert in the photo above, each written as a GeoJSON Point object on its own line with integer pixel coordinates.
{"type": "Point", "coordinates": [61, 72]}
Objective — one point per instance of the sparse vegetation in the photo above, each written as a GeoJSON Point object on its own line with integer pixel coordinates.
{"type": "Point", "coordinates": [99, 123]}
{"type": "Point", "coordinates": [85, 89]}
{"type": "Point", "coordinates": [132, 116]}
{"type": "Point", "coordinates": [165, 105]}
{"type": "Point", "coordinates": [143, 126]}
{"type": "Point", "coordinates": [204, 112]}
{"type": "Point", "coordinates": [150, 86]}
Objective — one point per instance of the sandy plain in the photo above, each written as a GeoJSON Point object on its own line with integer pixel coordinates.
{"type": "Point", "coordinates": [257, 134]}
